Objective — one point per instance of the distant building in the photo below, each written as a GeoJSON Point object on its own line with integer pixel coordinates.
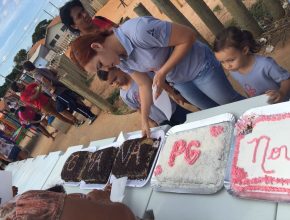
{"type": "Point", "coordinates": [92, 6]}
{"type": "Point", "coordinates": [56, 35]}
{"type": "Point", "coordinates": [57, 38]}
{"type": "Point", "coordinates": [39, 56]}
{"type": "Point", "coordinates": [35, 47]}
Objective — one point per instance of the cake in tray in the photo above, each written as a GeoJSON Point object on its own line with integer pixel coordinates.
{"type": "Point", "coordinates": [99, 166]}
{"type": "Point", "coordinates": [135, 157]}
{"type": "Point", "coordinates": [261, 160]}
{"type": "Point", "coordinates": [194, 160]}
{"type": "Point", "coordinates": [74, 165]}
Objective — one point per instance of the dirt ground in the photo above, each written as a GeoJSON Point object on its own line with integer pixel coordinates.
{"type": "Point", "coordinates": [108, 125]}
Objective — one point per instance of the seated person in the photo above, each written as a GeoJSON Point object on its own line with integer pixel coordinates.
{"type": "Point", "coordinates": [129, 92]}
{"type": "Point", "coordinates": [10, 152]}
{"type": "Point", "coordinates": [74, 16]}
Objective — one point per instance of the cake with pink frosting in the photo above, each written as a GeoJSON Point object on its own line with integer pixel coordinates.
{"type": "Point", "coordinates": [194, 161]}
{"type": "Point", "coordinates": [261, 160]}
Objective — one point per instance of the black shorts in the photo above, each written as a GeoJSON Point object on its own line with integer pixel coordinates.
{"type": "Point", "coordinates": [37, 118]}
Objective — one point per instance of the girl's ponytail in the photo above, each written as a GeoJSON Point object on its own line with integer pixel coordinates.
{"type": "Point", "coordinates": [235, 37]}
{"type": "Point", "coordinates": [249, 40]}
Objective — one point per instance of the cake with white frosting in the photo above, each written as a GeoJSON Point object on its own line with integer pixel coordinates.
{"type": "Point", "coordinates": [194, 160]}
{"type": "Point", "coordinates": [261, 162]}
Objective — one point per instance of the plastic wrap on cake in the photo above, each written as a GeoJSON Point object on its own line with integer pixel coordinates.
{"type": "Point", "coordinates": [194, 156]}
{"type": "Point", "coordinates": [259, 167]}
{"type": "Point", "coordinates": [132, 158]}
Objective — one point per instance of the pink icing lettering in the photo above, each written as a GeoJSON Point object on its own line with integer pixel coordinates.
{"type": "Point", "coordinates": [191, 156]}
{"type": "Point", "coordinates": [274, 154]}
{"type": "Point", "coordinates": [181, 147]}
{"type": "Point", "coordinates": [216, 130]}
{"type": "Point", "coordinates": [158, 170]}
{"type": "Point", "coordinates": [257, 142]}
{"type": "Point", "coordinates": [240, 180]}
{"type": "Point", "coordinates": [277, 151]}
{"type": "Point", "coordinates": [177, 149]}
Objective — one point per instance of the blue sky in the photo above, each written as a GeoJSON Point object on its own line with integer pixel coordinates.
{"type": "Point", "coordinates": [18, 19]}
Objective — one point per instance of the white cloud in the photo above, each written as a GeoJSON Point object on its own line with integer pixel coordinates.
{"type": "Point", "coordinates": [17, 2]}
{"type": "Point", "coordinates": [4, 2]}
{"type": "Point", "coordinates": [4, 58]}
{"type": "Point", "coordinates": [5, 13]}
{"type": "Point", "coordinates": [25, 27]}
{"type": "Point", "coordinates": [8, 42]}
{"type": "Point", "coordinates": [9, 13]}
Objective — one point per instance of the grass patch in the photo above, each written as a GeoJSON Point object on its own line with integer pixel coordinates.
{"type": "Point", "coordinates": [90, 80]}
{"type": "Point", "coordinates": [120, 108]}
{"type": "Point", "coordinates": [115, 95]}
{"type": "Point", "coordinates": [217, 9]}
{"type": "Point", "coordinates": [259, 11]}
{"type": "Point", "coordinates": [231, 22]}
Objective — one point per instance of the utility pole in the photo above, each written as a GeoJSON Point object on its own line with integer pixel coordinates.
{"type": "Point", "coordinates": [53, 5]}
{"type": "Point", "coordinates": [48, 13]}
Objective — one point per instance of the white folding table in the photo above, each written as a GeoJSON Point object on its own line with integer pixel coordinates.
{"type": "Point", "coordinates": [219, 206]}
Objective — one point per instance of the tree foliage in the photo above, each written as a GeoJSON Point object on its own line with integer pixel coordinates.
{"type": "Point", "coordinates": [16, 71]}
{"type": "Point", "coordinates": [40, 31]}
{"type": "Point", "coordinates": [20, 56]}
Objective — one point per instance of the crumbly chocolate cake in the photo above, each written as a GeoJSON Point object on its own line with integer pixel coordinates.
{"type": "Point", "coordinates": [74, 165]}
{"type": "Point", "coordinates": [135, 157]}
{"type": "Point", "coordinates": [99, 166]}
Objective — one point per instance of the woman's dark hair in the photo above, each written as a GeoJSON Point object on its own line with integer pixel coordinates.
{"type": "Point", "coordinates": [64, 13]}
{"type": "Point", "coordinates": [28, 66]}
{"type": "Point", "coordinates": [14, 87]}
{"type": "Point", "coordinates": [103, 75]}
{"type": "Point", "coordinates": [237, 38]}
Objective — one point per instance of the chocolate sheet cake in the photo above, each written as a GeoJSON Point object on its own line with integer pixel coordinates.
{"type": "Point", "coordinates": [99, 166]}
{"type": "Point", "coordinates": [72, 169]}
{"type": "Point", "coordinates": [135, 157]}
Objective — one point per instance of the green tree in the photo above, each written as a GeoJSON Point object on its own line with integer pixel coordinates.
{"type": "Point", "coordinates": [20, 56]}
{"type": "Point", "coordinates": [13, 76]}
{"type": "Point", "coordinates": [40, 31]}
{"type": "Point", "coordinates": [3, 89]}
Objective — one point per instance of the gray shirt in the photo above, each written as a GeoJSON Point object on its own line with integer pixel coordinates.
{"type": "Point", "coordinates": [40, 73]}
{"type": "Point", "coordinates": [265, 75]}
{"type": "Point", "coordinates": [132, 99]}
{"type": "Point", "coordinates": [146, 40]}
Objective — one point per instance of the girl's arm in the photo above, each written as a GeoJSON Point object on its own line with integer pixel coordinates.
{"type": "Point", "coordinates": [145, 91]}
{"type": "Point", "coordinates": [279, 96]}
{"type": "Point", "coordinates": [181, 38]}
